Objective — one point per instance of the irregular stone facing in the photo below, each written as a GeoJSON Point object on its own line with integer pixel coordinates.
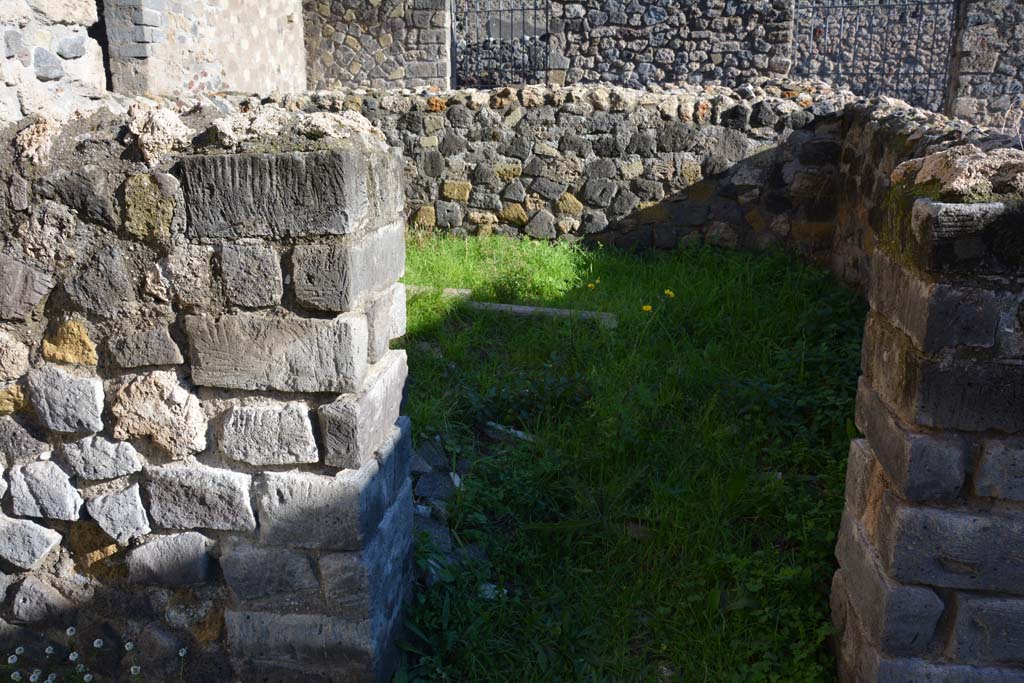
{"type": "Point", "coordinates": [17, 445]}
{"type": "Point", "coordinates": [289, 354]}
{"type": "Point", "coordinates": [272, 579]}
{"type": "Point", "coordinates": [252, 275]}
{"type": "Point", "coordinates": [199, 497]}
{"type": "Point", "coordinates": [13, 357]}
{"type": "Point", "coordinates": [269, 435]}
{"type": "Point", "coordinates": [157, 407]}
{"type": "Point", "coordinates": [70, 344]}
{"type": "Point", "coordinates": [386, 319]}
{"type": "Point", "coordinates": [355, 426]}
{"type": "Point", "coordinates": [347, 507]}
{"type": "Point", "coordinates": [22, 287]}
{"type": "Point", "coordinates": [339, 277]}
{"type": "Point", "coordinates": [143, 349]}
{"type": "Point", "coordinates": [120, 514]}
{"type": "Point", "coordinates": [25, 544]}
{"type": "Point", "coordinates": [42, 489]}
{"type": "Point", "coordinates": [36, 602]}
{"type": "Point", "coordinates": [65, 403]}
{"type": "Point", "coordinates": [103, 286]}
{"type": "Point", "coordinates": [288, 194]}
{"type": "Point", "coordinates": [149, 203]}
{"type": "Point", "coordinates": [173, 561]}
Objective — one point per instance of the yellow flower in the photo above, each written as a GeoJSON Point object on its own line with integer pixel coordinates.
{"type": "Point", "coordinates": [647, 308]}
{"type": "Point", "coordinates": [591, 285]}
{"type": "Point", "coordinates": [598, 280]}
{"type": "Point", "coordinates": [670, 294]}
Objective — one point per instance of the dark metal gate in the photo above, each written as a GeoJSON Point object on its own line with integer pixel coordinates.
{"type": "Point", "coordinates": [501, 42]}
{"type": "Point", "coordinates": [899, 48]}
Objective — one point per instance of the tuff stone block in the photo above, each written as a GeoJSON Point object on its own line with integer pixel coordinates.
{"type": "Point", "coordinates": [341, 277]}
{"type": "Point", "coordinates": [355, 426]}
{"type": "Point", "coordinates": [1000, 470]}
{"type": "Point", "coordinates": [96, 458]}
{"type": "Point", "coordinates": [957, 236]}
{"type": "Point", "coordinates": [988, 629]}
{"type": "Point", "coordinates": [13, 357]}
{"type": "Point", "coordinates": [269, 435]}
{"type": "Point", "coordinates": [935, 316]}
{"type": "Point", "coordinates": [65, 403]}
{"type": "Point", "coordinates": [922, 466]}
{"type": "Point", "coordinates": [959, 393]}
{"type": "Point", "coordinates": [252, 275]}
{"type": "Point", "coordinates": [386, 320]}
{"type": "Point", "coordinates": [272, 579]}
{"type": "Point", "coordinates": [290, 194]}
{"type": "Point", "coordinates": [173, 561]}
{"type": "Point", "coordinates": [158, 407]}
{"type": "Point", "coordinates": [199, 497]}
{"type": "Point", "coordinates": [285, 354]}
{"type": "Point", "coordinates": [17, 445]}
{"type": "Point", "coordinates": [964, 549]}
{"type": "Point", "coordinates": [22, 287]}
{"type": "Point", "coordinates": [120, 514]}
{"type": "Point", "coordinates": [899, 619]}
{"type": "Point", "coordinates": [347, 506]}
{"type": "Point", "coordinates": [103, 285]}
{"type": "Point", "coordinates": [143, 349]}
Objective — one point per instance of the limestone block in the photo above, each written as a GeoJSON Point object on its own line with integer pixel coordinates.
{"type": "Point", "coordinates": [199, 497]}
{"type": "Point", "coordinates": [120, 514]}
{"type": "Point", "coordinates": [35, 602]}
{"type": "Point", "coordinates": [988, 629]}
{"type": "Point", "coordinates": [157, 407]}
{"type": "Point", "coordinates": [356, 425]}
{"type": "Point", "coordinates": [347, 507]}
{"type": "Point", "coordinates": [22, 287]}
{"type": "Point", "coordinates": [25, 544]}
{"type": "Point", "coordinates": [65, 403]}
{"type": "Point", "coordinates": [252, 275]}
{"type": "Point", "coordinates": [1000, 470]}
{"type": "Point", "coordinates": [386, 319]}
{"type": "Point", "coordinates": [17, 445]}
{"type": "Point", "coordinates": [900, 619]}
{"type": "Point", "coordinates": [292, 194]}
{"type": "Point", "coordinates": [14, 357]}
{"type": "Point", "coordinates": [42, 489]}
{"type": "Point", "coordinates": [144, 349]}
{"type": "Point", "coordinates": [173, 561]}
{"type": "Point", "coordinates": [272, 579]}
{"type": "Point", "coordinates": [76, 12]}
{"type": "Point", "coordinates": [340, 277]}
{"type": "Point", "coordinates": [269, 435]}
{"type": "Point", "coordinates": [286, 354]}
{"type": "Point", "coordinates": [922, 466]}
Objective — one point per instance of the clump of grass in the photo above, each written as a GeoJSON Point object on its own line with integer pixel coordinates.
{"type": "Point", "coordinates": [674, 518]}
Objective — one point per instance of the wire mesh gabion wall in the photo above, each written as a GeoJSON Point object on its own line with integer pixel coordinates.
{"type": "Point", "coordinates": [899, 48]}
{"type": "Point", "coordinates": [501, 42]}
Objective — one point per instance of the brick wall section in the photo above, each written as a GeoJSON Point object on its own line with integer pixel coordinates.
{"type": "Point", "coordinates": [388, 43]}
{"type": "Point", "coordinates": [200, 439]}
{"type": "Point", "coordinates": [190, 47]}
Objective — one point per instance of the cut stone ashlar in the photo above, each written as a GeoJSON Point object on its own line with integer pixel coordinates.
{"type": "Point", "coordinates": [346, 507]}
{"type": "Point", "coordinates": [272, 579]}
{"type": "Point", "coordinates": [1000, 470]}
{"type": "Point", "coordinates": [199, 497]}
{"type": "Point", "coordinates": [22, 287]}
{"type": "Point", "coordinates": [355, 426]}
{"type": "Point", "coordinates": [340, 277]}
{"type": "Point", "coordinates": [386, 320]}
{"type": "Point", "coordinates": [269, 435]}
{"type": "Point", "coordinates": [283, 354]}
{"type": "Point", "coordinates": [174, 560]}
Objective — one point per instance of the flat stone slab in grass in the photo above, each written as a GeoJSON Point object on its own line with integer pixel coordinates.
{"type": "Point", "coordinates": [283, 354]}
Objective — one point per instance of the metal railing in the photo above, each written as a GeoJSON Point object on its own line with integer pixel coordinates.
{"type": "Point", "coordinates": [501, 42]}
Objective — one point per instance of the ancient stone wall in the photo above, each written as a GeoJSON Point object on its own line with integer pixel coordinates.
{"type": "Point", "coordinates": [989, 77]}
{"type": "Point", "coordinates": [386, 43]}
{"type": "Point", "coordinates": [200, 441]}
{"type": "Point", "coordinates": [49, 61]}
{"type": "Point", "coordinates": [929, 585]}
{"type": "Point", "coordinates": [187, 47]}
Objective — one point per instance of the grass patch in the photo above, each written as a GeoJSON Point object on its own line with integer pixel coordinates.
{"type": "Point", "coordinates": [674, 519]}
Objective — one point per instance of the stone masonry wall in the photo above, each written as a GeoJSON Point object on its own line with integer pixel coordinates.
{"type": "Point", "coordinates": [188, 47]}
{"type": "Point", "coordinates": [385, 43]}
{"type": "Point", "coordinates": [989, 84]}
{"type": "Point", "coordinates": [49, 62]}
{"type": "Point", "coordinates": [200, 441]}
